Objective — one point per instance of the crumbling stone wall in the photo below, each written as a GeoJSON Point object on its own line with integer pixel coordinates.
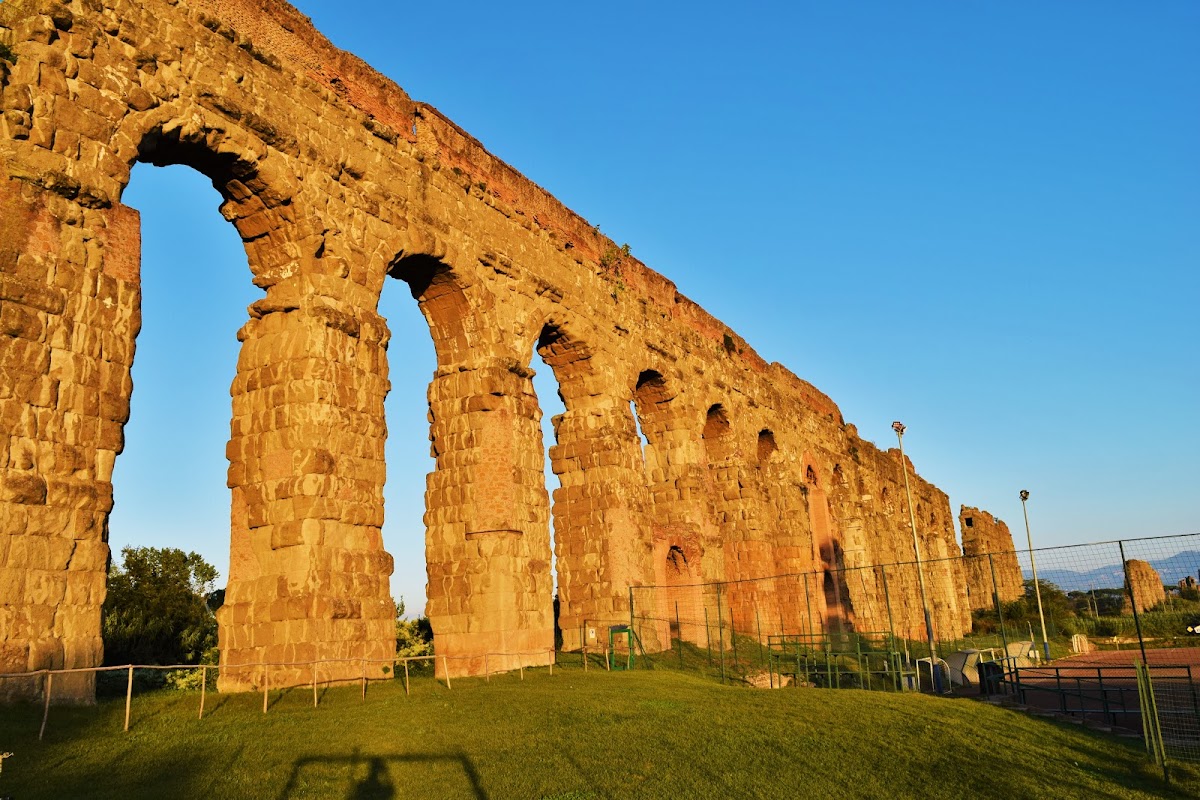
{"type": "Point", "coordinates": [1145, 585]}
{"type": "Point", "coordinates": [336, 180]}
{"type": "Point", "coordinates": [982, 536]}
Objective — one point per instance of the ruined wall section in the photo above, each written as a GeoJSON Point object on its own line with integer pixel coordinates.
{"type": "Point", "coordinates": [988, 551]}
{"type": "Point", "coordinates": [1145, 584]}
{"type": "Point", "coordinates": [335, 180]}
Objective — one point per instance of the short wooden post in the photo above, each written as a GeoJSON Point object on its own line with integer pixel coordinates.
{"type": "Point", "coordinates": [266, 686]}
{"type": "Point", "coordinates": [446, 669]}
{"type": "Point", "coordinates": [46, 708]}
{"type": "Point", "coordinates": [487, 672]}
{"type": "Point", "coordinates": [406, 676]}
{"type": "Point", "coordinates": [553, 658]}
{"type": "Point", "coordinates": [128, 696]}
{"type": "Point", "coordinates": [203, 689]}
{"type": "Point", "coordinates": [521, 663]}
{"type": "Point", "coordinates": [607, 665]}
{"type": "Point", "coordinates": [314, 683]}
{"type": "Point", "coordinates": [584, 650]}
{"type": "Point", "coordinates": [364, 680]}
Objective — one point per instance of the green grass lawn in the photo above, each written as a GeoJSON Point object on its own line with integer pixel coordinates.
{"type": "Point", "coordinates": [654, 733]}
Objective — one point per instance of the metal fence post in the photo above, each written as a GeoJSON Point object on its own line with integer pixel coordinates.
{"type": "Point", "coordinates": [887, 599]}
{"type": "Point", "coordinates": [1137, 621]}
{"type": "Point", "coordinates": [758, 622]}
{"type": "Point", "coordinates": [808, 607]}
{"type": "Point", "coordinates": [707, 637]}
{"type": "Point", "coordinates": [720, 634]}
{"type": "Point", "coordinates": [999, 608]}
{"type": "Point", "coordinates": [679, 630]}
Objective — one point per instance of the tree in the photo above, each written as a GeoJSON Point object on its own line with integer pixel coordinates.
{"type": "Point", "coordinates": [157, 610]}
{"type": "Point", "coordinates": [414, 637]}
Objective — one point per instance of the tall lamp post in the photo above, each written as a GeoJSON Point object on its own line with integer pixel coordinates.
{"type": "Point", "coordinates": [898, 427]}
{"type": "Point", "coordinates": [1037, 588]}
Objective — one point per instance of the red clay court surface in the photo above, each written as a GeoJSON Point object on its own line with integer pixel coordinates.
{"type": "Point", "coordinates": [1172, 656]}
{"type": "Point", "coordinates": [1102, 686]}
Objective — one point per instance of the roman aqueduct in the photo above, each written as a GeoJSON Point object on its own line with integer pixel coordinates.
{"type": "Point", "coordinates": [336, 182]}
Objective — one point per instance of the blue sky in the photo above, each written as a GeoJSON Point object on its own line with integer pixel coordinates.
{"type": "Point", "coordinates": [981, 219]}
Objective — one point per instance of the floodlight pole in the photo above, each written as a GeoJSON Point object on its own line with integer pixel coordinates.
{"type": "Point", "coordinates": [1037, 588]}
{"type": "Point", "coordinates": [898, 427]}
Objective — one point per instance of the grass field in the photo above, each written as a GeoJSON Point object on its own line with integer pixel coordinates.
{"type": "Point", "coordinates": [571, 735]}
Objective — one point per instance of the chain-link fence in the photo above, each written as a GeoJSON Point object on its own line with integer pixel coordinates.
{"type": "Point", "coordinates": [958, 624]}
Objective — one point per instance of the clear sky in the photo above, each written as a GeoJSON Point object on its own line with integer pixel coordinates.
{"type": "Point", "coordinates": [982, 219]}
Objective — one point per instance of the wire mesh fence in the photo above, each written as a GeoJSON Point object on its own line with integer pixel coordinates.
{"type": "Point", "coordinates": [955, 624]}
{"type": "Point", "coordinates": [133, 679]}
{"type": "Point", "coordinates": [977, 624]}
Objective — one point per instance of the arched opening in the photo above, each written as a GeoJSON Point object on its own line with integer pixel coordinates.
{"type": "Point", "coordinates": [408, 453]}
{"type": "Point", "coordinates": [766, 445]}
{"type": "Point", "coordinates": [552, 407]}
{"type": "Point", "coordinates": [716, 423]}
{"type": "Point", "coordinates": [651, 388]}
{"type": "Point", "coordinates": [170, 482]}
{"type": "Point", "coordinates": [650, 406]}
{"type": "Point", "coordinates": [677, 566]}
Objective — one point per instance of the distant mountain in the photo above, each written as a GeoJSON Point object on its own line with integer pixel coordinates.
{"type": "Point", "coordinates": [1172, 570]}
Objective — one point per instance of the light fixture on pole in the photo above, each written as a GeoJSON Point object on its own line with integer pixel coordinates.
{"type": "Point", "coordinates": [898, 427]}
{"type": "Point", "coordinates": [1037, 589]}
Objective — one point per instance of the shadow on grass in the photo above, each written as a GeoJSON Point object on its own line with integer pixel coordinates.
{"type": "Point", "coordinates": [376, 783]}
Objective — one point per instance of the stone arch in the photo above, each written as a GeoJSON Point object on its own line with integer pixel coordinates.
{"type": "Point", "coordinates": [652, 405]}
{"type": "Point", "coordinates": [443, 300]}
{"type": "Point", "coordinates": [680, 600]}
{"type": "Point", "coordinates": [256, 186]}
{"type": "Point", "coordinates": [307, 493]}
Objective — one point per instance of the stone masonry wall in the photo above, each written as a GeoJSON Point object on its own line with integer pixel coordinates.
{"type": "Point", "coordinates": [336, 180]}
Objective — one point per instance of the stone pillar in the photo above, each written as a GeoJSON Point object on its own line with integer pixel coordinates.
{"type": "Point", "coordinates": [308, 574]}
{"type": "Point", "coordinates": [69, 312]}
{"type": "Point", "coordinates": [601, 535]}
{"type": "Point", "coordinates": [487, 545]}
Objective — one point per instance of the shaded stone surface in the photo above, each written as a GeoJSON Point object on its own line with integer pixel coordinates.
{"type": "Point", "coordinates": [336, 180]}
